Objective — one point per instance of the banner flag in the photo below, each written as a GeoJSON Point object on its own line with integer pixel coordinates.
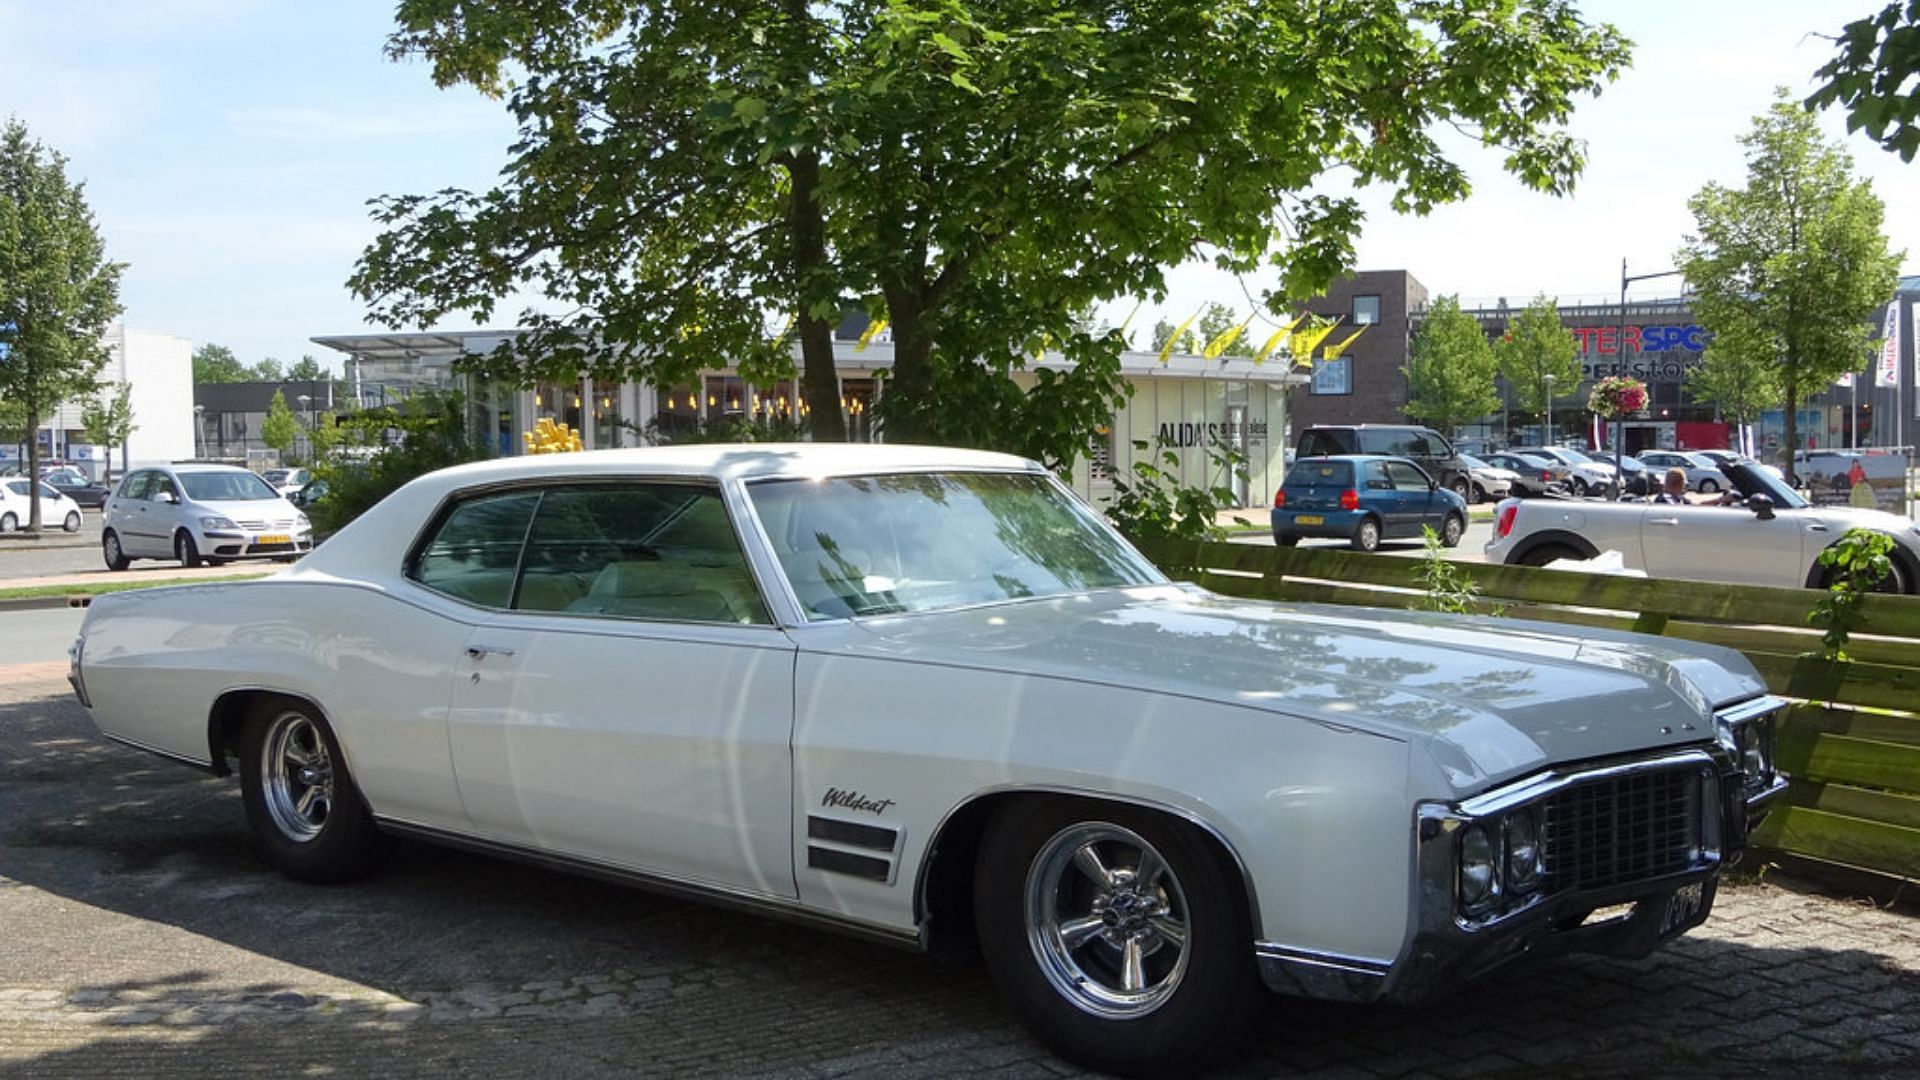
{"type": "Point", "coordinates": [1887, 365]}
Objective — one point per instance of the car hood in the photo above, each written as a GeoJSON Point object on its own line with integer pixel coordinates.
{"type": "Point", "coordinates": [1492, 698]}
{"type": "Point", "coordinates": [268, 510]}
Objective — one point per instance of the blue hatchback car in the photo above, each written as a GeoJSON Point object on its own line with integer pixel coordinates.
{"type": "Point", "coordinates": [1364, 498]}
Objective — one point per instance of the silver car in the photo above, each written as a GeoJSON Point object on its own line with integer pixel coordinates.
{"type": "Point", "coordinates": [200, 513]}
{"type": "Point", "coordinates": [1703, 473]}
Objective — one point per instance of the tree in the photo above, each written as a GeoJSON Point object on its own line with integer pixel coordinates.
{"type": "Point", "coordinates": [1537, 357]}
{"type": "Point", "coordinates": [307, 369]}
{"type": "Point", "coordinates": [1450, 372]}
{"type": "Point", "coordinates": [1162, 330]}
{"type": "Point", "coordinates": [267, 370]}
{"type": "Point", "coordinates": [217, 364]}
{"type": "Point", "coordinates": [1218, 321]}
{"type": "Point", "coordinates": [58, 291]}
{"type": "Point", "coordinates": [279, 429]}
{"type": "Point", "coordinates": [109, 421]}
{"type": "Point", "coordinates": [1738, 378]}
{"type": "Point", "coordinates": [690, 176]}
{"type": "Point", "coordinates": [1878, 56]}
{"type": "Point", "coordinates": [1791, 267]}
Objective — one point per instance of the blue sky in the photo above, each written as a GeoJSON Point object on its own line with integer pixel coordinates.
{"type": "Point", "coordinates": [229, 148]}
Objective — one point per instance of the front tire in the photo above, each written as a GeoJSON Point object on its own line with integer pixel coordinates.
{"type": "Point", "coordinates": [1118, 935]}
{"type": "Point", "coordinates": [1366, 535]}
{"type": "Point", "coordinates": [72, 524]}
{"type": "Point", "coordinates": [301, 802]}
{"type": "Point", "coordinates": [1709, 487]}
{"type": "Point", "coordinates": [185, 549]}
{"type": "Point", "coordinates": [1452, 530]}
{"type": "Point", "coordinates": [110, 550]}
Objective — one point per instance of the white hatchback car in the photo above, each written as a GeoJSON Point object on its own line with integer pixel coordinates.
{"type": "Point", "coordinates": [16, 509]}
{"type": "Point", "coordinates": [200, 513]}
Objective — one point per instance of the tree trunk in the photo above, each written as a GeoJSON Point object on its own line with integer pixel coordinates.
{"type": "Point", "coordinates": [33, 469]}
{"type": "Point", "coordinates": [819, 382]}
{"type": "Point", "coordinates": [1793, 432]}
{"type": "Point", "coordinates": [912, 377]}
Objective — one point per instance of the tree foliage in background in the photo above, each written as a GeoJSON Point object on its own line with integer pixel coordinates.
{"type": "Point", "coordinates": [372, 453]}
{"type": "Point", "coordinates": [58, 291]}
{"type": "Point", "coordinates": [217, 364]}
{"type": "Point", "coordinates": [1162, 330]}
{"type": "Point", "coordinates": [307, 369]}
{"type": "Point", "coordinates": [108, 421]}
{"type": "Point", "coordinates": [1790, 267]}
{"type": "Point", "coordinates": [1451, 370]}
{"type": "Point", "coordinates": [1219, 322]}
{"type": "Point", "coordinates": [689, 177]}
{"type": "Point", "coordinates": [1875, 76]}
{"type": "Point", "coordinates": [1536, 354]}
{"type": "Point", "coordinates": [279, 429]}
{"type": "Point", "coordinates": [1156, 505]}
{"type": "Point", "coordinates": [1737, 375]}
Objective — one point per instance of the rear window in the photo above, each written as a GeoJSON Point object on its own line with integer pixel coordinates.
{"type": "Point", "coordinates": [1309, 474]}
{"type": "Point", "coordinates": [1319, 443]}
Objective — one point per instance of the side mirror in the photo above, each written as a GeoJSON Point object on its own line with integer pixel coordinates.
{"type": "Point", "coordinates": [1762, 506]}
{"type": "Point", "coordinates": [168, 497]}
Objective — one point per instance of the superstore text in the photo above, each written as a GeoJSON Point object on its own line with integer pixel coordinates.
{"type": "Point", "coordinates": [1605, 340]}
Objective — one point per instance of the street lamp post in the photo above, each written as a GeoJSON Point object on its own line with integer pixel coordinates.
{"type": "Point", "coordinates": [1549, 380]}
{"type": "Point", "coordinates": [1620, 438]}
{"type": "Point", "coordinates": [199, 431]}
{"type": "Point", "coordinates": [305, 407]}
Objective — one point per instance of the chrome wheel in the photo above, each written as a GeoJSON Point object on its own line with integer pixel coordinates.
{"type": "Point", "coordinates": [297, 774]}
{"type": "Point", "coordinates": [1106, 920]}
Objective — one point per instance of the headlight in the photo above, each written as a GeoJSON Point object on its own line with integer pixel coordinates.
{"type": "Point", "coordinates": [300, 521]}
{"type": "Point", "coordinates": [1479, 875]}
{"type": "Point", "coordinates": [217, 523]}
{"type": "Point", "coordinates": [1523, 851]}
{"type": "Point", "coordinates": [1750, 744]}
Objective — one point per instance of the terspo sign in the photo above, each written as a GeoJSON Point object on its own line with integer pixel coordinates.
{"type": "Point", "coordinates": [1606, 340]}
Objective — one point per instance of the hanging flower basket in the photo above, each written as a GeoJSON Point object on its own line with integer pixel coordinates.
{"type": "Point", "coordinates": [1617, 396]}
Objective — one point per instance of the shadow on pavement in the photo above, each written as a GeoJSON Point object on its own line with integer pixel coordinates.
{"type": "Point", "coordinates": [187, 951]}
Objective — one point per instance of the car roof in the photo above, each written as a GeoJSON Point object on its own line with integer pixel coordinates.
{"type": "Point", "coordinates": [742, 461]}
{"type": "Point", "coordinates": [200, 467]}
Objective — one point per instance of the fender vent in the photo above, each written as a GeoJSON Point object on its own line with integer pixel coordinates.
{"type": "Point", "coordinates": [855, 848]}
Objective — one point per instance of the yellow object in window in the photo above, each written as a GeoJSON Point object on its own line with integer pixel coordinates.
{"type": "Point", "coordinates": [548, 437]}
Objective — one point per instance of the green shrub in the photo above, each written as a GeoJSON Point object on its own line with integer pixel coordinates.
{"type": "Point", "coordinates": [367, 455]}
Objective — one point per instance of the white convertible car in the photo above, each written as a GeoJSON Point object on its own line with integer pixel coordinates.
{"type": "Point", "coordinates": [1769, 536]}
{"type": "Point", "coordinates": [930, 697]}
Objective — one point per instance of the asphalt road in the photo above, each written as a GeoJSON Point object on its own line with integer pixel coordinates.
{"type": "Point", "coordinates": [144, 937]}
{"type": "Point", "coordinates": [57, 552]}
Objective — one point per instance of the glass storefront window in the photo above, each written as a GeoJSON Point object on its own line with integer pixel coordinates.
{"type": "Point", "coordinates": [606, 415]}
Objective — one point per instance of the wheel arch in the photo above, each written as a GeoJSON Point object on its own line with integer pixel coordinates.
{"type": "Point", "coordinates": [1818, 576]}
{"type": "Point", "coordinates": [1552, 538]}
{"type": "Point", "coordinates": [943, 886]}
{"type": "Point", "coordinates": [229, 713]}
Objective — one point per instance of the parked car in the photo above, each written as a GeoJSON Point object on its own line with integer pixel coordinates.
{"type": "Point", "coordinates": [199, 513]}
{"type": "Point", "coordinates": [1774, 537]}
{"type": "Point", "coordinates": [1364, 499]}
{"type": "Point", "coordinates": [1423, 446]}
{"type": "Point", "coordinates": [74, 485]}
{"type": "Point", "coordinates": [287, 481]}
{"type": "Point", "coordinates": [311, 492]}
{"type": "Point", "coordinates": [1703, 473]}
{"type": "Point", "coordinates": [1639, 479]}
{"type": "Point", "coordinates": [928, 696]}
{"type": "Point", "coordinates": [1723, 458]}
{"type": "Point", "coordinates": [1489, 481]}
{"type": "Point", "coordinates": [16, 506]}
{"type": "Point", "coordinates": [1588, 476]}
{"type": "Point", "coordinates": [1533, 475]}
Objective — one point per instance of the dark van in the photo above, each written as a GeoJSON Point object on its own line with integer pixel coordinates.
{"type": "Point", "coordinates": [1425, 446]}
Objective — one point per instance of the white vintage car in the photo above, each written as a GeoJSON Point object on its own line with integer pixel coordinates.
{"type": "Point", "coordinates": [1768, 535]}
{"type": "Point", "coordinates": [930, 697]}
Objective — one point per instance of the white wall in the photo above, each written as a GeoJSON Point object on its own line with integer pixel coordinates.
{"type": "Point", "coordinates": [159, 369]}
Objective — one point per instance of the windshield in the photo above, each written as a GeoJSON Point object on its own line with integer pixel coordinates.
{"type": "Point", "coordinates": [1572, 455]}
{"type": "Point", "coordinates": [1750, 479]}
{"type": "Point", "coordinates": [881, 545]}
{"type": "Point", "coordinates": [275, 476]}
{"type": "Point", "coordinates": [236, 486]}
{"type": "Point", "coordinates": [1472, 462]}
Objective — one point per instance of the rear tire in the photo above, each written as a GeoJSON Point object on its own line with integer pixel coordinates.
{"type": "Point", "coordinates": [1709, 487]}
{"type": "Point", "coordinates": [185, 549]}
{"type": "Point", "coordinates": [1366, 535]}
{"type": "Point", "coordinates": [111, 552]}
{"type": "Point", "coordinates": [1461, 488]}
{"type": "Point", "coordinates": [301, 803]}
{"type": "Point", "coordinates": [1118, 935]}
{"type": "Point", "coordinates": [9, 523]}
{"type": "Point", "coordinates": [1286, 540]}
{"type": "Point", "coordinates": [1547, 553]}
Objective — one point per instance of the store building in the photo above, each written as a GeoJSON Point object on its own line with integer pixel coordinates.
{"type": "Point", "coordinates": [158, 372]}
{"type": "Point", "coordinates": [231, 417]}
{"type": "Point", "coordinates": [1183, 405]}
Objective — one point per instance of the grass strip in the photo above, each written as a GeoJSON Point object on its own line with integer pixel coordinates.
{"type": "Point", "coordinates": [35, 592]}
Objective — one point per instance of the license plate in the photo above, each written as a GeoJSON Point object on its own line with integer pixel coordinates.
{"type": "Point", "coordinates": [274, 538]}
{"type": "Point", "coordinates": [1309, 519]}
{"type": "Point", "coordinates": [1682, 906]}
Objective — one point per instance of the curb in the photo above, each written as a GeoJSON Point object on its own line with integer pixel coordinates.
{"type": "Point", "coordinates": [42, 603]}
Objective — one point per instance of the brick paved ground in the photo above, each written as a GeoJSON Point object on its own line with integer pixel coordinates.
{"type": "Point", "coordinates": [140, 936]}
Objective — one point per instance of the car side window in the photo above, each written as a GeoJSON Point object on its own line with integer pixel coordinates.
{"type": "Point", "coordinates": [638, 551]}
{"type": "Point", "coordinates": [1419, 445]}
{"type": "Point", "coordinates": [139, 486]}
{"type": "Point", "coordinates": [1406, 477]}
{"type": "Point", "coordinates": [1379, 442]}
{"type": "Point", "coordinates": [1377, 477]}
{"type": "Point", "coordinates": [474, 551]}
{"type": "Point", "coordinates": [1319, 444]}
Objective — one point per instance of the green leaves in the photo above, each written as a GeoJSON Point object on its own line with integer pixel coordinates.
{"type": "Point", "coordinates": [1537, 356]}
{"type": "Point", "coordinates": [1856, 564]}
{"type": "Point", "coordinates": [279, 429]}
{"type": "Point", "coordinates": [1869, 76]}
{"type": "Point", "coordinates": [1450, 372]}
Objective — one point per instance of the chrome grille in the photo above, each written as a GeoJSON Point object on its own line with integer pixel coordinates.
{"type": "Point", "coordinates": [1616, 829]}
{"type": "Point", "coordinates": [278, 526]}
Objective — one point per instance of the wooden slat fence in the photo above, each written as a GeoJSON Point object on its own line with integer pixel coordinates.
{"type": "Point", "coordinates": [1851, 741]}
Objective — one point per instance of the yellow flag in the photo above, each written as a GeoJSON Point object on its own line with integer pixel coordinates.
{"type": "Point", "coordinates": [873, 331]}
{"type": "Point", "coordinates": [1136, 310]}
{"type": "Point", "coordinates": [1278, 336]}
{"type": "Point", "coordinates": [1303, 343]}
{"type": "Point", "coordinates": [1167, 349]}
{"type": "Point", "coordinates": [1333, 351]}
{"type": "Point", "coordinates": [1226, 339]}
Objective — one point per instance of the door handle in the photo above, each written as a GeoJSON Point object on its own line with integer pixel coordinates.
{"type": "Point", "coordinates": [481, 652]}
{"type": "Point", "coordinates": [1816, 527]}
{"type": "Point", "coordinates": [1663, 521]}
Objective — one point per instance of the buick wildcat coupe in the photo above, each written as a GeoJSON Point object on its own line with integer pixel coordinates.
{"type": "Point", "coordinates": [930, 697]}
